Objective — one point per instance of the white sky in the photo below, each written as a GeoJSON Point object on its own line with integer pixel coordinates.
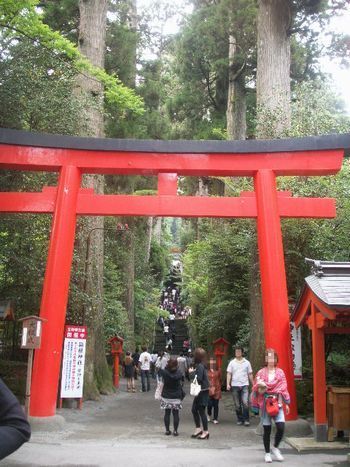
{"type": "Point", "coordinates": [341, 24]}
{"type": "Point", "coordinates": [340, 75]}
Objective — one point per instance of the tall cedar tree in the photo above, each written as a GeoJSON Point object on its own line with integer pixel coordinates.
{"type": "Point", "coordinates": [91, 41]}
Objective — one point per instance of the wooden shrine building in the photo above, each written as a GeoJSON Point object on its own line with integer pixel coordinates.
{"type": "Point", "coordinates": [324, 306]}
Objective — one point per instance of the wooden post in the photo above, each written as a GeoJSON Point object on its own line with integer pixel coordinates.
{"type": "Point", "coordinates": [116, 371]}
{"type": "Point", "coordinates": [29, 380]}
{"type": "Point", "coordinates": [319, 376]}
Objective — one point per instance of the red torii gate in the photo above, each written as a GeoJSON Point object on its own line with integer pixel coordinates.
{"type": "Point", "coordinates": [71, 157]}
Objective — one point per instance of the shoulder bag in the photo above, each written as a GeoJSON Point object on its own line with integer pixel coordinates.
{"type": "Point", "coordinates": [159, 389]}
{"type": "Point", "coordinates": [195, 388]}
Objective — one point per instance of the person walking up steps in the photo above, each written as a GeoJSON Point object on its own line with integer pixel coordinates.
{"type": "Point", "coordinates": [239, 373]}
{"type": "Point", "coordinates": [172, 394]}
{"type": "Point", "coordinates": [166, 332]}
{"type": "Point", "coordinates": [145, 366]}
{"type": "Point", "coordinates": [268, 394]}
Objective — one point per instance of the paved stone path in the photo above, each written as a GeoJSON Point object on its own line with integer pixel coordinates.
{"type": "Point", "coordinates": [126, 429]}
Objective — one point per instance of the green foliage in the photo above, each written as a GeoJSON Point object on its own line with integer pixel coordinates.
{"type": "Point", "coordinates": [62, 16]}
{"type": "Point", "coordinates": [159, 261]}
{"type": "Point", "coordinates": [37, 90]}
{"type": "Point", "coordinates": [146, 312]}
{"type": "Point", "coordinates": [23, 247]}
{"type": "Point", "coordinates": [22, 17]}
{"type": "Point", "coordinates": [317, 110]}
{"type": "Point", "coordinates": [115, 315]}
{"type": "Point", "coordinates": [215, 281]}
{"type": "Point", "coordinates": [197, 98]}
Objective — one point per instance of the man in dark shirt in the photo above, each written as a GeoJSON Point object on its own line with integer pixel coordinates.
{"type": "Point", "coordinates": [14, 427]}
{"type": "Point", "coordinates": [135, 357]}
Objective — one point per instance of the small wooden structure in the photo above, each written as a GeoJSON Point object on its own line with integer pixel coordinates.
{"type": "Point", "coordinates": [31, 340]}
{"type": "Point", "coordinates": [338, 410]}
{"type": "Point", "coordinates": [116, 343]}
{"type": "Point", "coordinates": [220, 349]}
{"type": "Point", "coordinates": [324, 306]}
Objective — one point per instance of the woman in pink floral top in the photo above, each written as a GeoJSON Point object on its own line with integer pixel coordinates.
{"type": "Point", "coordinates": [271, 380]}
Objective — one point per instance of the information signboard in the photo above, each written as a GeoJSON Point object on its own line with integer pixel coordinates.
{"type": "Point", "coordinates": [296, 350]}
{"type": "Point", "coordinates": [31, 332]}
{"type": "Point", "coordinates": [73, 361]}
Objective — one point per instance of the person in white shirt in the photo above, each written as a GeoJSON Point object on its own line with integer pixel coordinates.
{"type": "Point", "coordinates": [239, 373]}
{"type": "Point", "coordinates": [145, 366]}
{"type": "Point", "coordinates": [166, 332]}
{"type": "Point", "coordinates": [161, 363]}
{"type": "Point", "coordinates": [172, 323]}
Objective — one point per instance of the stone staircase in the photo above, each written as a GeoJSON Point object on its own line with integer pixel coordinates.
{"type": "Point", "coordinates": [181, 334]}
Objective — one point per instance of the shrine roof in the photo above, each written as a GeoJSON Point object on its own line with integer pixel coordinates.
{"type": "Point", "coordinates": [329, 282]}
{"type": "Point", "coordinates": [332, 290]}
{"type": "Point", "coordinates": [310, 143]}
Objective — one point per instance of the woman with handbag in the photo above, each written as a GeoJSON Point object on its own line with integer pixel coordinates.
{"type": "Point", "coordinates": [269, 391]}
{"type": "Point", "coordinates": [214, 376]}
{"type": "Point", "coordinates": [172, 394]}
{"type": "Point", "coordinates": [200, 377]}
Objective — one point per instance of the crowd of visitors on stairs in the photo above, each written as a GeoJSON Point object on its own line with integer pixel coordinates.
{"type": "Point", "coordinates": [170, 302]}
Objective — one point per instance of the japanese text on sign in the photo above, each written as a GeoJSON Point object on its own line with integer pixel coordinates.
{"type": "Point", "coordinates": [73, 362]}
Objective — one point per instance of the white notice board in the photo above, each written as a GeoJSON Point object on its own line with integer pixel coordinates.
{"type": "Point", "coordinates": [73, 362]}
{"type": "Point", "coordinates": [296, 350]}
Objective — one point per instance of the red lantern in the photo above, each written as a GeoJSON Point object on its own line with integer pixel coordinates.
{"type": "Point", "coordinates": [116, 344]}
{"type": "Point", "coordinates": [220, 349]}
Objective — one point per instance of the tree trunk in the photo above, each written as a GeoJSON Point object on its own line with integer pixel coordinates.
{"type": "Point", "coordinates": [273, 69]}
{"type": "Point", "coordinates": [157, 229]}
{"type": "Point", "coordinates": [236, 101]}
{"type": "Point", "coordinates": [148, 238]}
{"type": "Point", "coordinates": [129, 278]}
{"type": "Point", "coordinates": [273, 117]}
{"type": "Point", "coordinates": [133, 25]}
{"type": "Point", "coordinates": [92, 32]}
{"type": "Point", "coordinates": [240, 108]}
{"type": "Point", "coordinates": [257, 338]}
{"type": "Point", "coordinates": [203, 190]}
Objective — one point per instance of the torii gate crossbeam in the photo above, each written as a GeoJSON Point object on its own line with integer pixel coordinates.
{"type": "Point", "coordinates": [71, 157]}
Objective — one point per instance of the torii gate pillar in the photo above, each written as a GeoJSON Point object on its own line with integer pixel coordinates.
{"type": "Point", "coordinates": [47, 362]}
{"type": "Point", "coordinates": [273, 277]}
